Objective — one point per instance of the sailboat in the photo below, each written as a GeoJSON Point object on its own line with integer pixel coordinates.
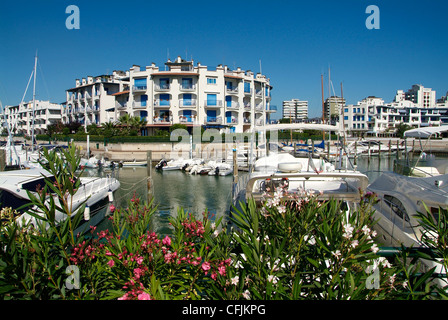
{"type": "Point", "coordinates": [19, 157]}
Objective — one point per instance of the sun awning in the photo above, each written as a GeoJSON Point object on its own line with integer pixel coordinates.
{"type": "Point", "coordinates": [425, 132]}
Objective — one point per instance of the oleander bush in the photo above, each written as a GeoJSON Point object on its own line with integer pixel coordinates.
{"type": "Point", "coordinates": [290, 247]}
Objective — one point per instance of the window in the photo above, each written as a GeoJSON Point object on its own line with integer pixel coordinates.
{"type": "Point", "coordinates": [211, 80]}
{"type": "Point", "coordinates": [187, 83]}
{"type": "Point", "coordinates": [396, 206]}
{"type": "Point", "coordinates": [247, 87]}
{"type": "Point", "coordinates": [187, 99]}
{"type": "Point", "coordinates": [211, 115]}
{"type": "Point", "coordinates": [140, 84]}
{"type": "Point", "coordinates": [143, 99]}
{"type": "Point", "coordinates": [164, 83]}
{"type": "Point", "coordinates": [211, 100]}
{"type": "Point", "coordinates": [228, 101]}
{"type": "Point", "coordinates": [164, 99]}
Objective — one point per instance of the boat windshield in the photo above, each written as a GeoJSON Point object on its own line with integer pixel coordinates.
{"type": "Point", "coordinates": [9, 200]}
{"type": "Point", "coordinates": [397, 207]}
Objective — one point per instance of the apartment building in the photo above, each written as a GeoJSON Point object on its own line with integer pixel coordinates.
{"type": "Point", "coordinates": [422, 97]}
{"type": "Point", "coordinates": [372, 116]}
{"type": "Point", "coordinates": [92, 100]}
{"type": "Point", "coordinates": [21, 120]}
{"type": "Point", "coordinates": [181, 92]}
{"type": "Point", "coordinates": [295, 109]}
{"type": "Point", "coordinates": [332, 107]}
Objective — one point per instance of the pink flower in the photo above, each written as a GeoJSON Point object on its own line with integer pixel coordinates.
{"type": "Point", "coordinates": [112, 208]}
{"type": "Point", "coordinates": [144, 296]}
{"type": "Point", "coordinates": [139, 260]}
{"type": "Point", "coordinates": [206, 266]}
{"type": "Point", "coordinates": [222, 270]}
{"type": "Point", "coordinates": [111, 263]}
{"type": "Point", "coordinates": [166, 241]}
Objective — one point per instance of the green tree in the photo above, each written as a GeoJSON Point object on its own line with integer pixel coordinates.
{"type": "Point", "coordinates": [401, 128]}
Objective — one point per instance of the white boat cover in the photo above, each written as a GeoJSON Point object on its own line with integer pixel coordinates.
{"type": "Point", "coordinates": [425, 132]}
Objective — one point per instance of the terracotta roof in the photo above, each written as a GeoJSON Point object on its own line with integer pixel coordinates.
{"type": "Point", "coordinates": [120, 93]}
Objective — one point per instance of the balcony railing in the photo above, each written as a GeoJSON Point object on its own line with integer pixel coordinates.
{"type": "Point", "coordinates": [187, 87]}
{"type": "Point", "coordinates": [190, 103]}
{"type": "Point", "coordinates": [139, 88]}
{"type": "Point", "coordinates": [213, 103]}
{"type": "Point", "coordinates": [213, 120]}
{"type": "Point", "coordinates": [232, 90]}
{"type": "Point", "coordinates": [163, 87]}
{"type": "Point", "coordinates": [162, 103]}
{"type": "Point", "coordinates": [139, 104]}
{"type": "Point", "coordinates": [162, 120]}
{"type": "Point", "coordinates": [232, 105]}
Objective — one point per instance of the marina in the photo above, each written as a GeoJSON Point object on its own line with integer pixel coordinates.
{"type": "Point", "coordinates": [174, 189]}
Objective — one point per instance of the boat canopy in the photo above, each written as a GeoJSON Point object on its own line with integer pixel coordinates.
{"type": "Point", "coordinates": [299, 126]}
{"type": "Point", "coordinates": [425, 132]}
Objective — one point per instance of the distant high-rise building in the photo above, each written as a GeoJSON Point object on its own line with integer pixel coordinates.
{"type": "Point", "coordinates": [295, 109]}
{"type": "Point", "coordinates": [332, 107]}
{"type": "Point", "coordinates": [421, 96]}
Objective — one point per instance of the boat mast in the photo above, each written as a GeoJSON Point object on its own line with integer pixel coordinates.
{"type": "Point", "coordinates": [34, 103]}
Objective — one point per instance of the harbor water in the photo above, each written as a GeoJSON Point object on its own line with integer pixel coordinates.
{"type": "Point", "coordinates": [173, 190]}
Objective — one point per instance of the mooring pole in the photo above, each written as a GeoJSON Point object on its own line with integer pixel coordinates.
{"type": "Point", "coordinates": [149, 174]}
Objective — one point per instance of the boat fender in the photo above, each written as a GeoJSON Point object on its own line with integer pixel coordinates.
{"type": "Point", "coordinates": [87, 213]}
{"type": "Point", "coordinates": [110, 195]}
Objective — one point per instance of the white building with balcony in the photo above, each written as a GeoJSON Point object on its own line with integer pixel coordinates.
{"type": "Point", "coordinates": [372, 116]}
{"type": "Point", "coordinates": [181, 92]}
{"type": "Point", "coordinates": [295, 109]}
{"type": "Point", "coordinates": [92, 100]}
{"type": "Point", "coordinates": [21, 119]}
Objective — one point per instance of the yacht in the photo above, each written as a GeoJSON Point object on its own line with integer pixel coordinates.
{"type": "Point", "coordinates": [399, 199]}
{"type": "Point", "coordinates": [300, 174]}
{"type": "Point", "coordinates": [92, 191]}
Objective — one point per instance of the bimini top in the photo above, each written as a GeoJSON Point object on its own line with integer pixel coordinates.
{"type": "Point", "coordinates": [299, 126]}
{"type": "Point", "coordinates": [425, 132]}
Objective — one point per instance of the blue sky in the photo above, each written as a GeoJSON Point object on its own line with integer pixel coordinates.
{"type": "Point", "coordinates": [296, 41]}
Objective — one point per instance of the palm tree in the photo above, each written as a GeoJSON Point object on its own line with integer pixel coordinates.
{"type": "Point", "coordinates": [109, 129]}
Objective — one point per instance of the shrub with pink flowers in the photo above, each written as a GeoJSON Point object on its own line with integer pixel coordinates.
{"type": "Point", "coordinates": [292, 246]}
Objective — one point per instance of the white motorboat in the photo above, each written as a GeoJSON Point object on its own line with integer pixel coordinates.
{"type": "Point", "coordinates": [400, 198]}
{"type": "Point", "coordinates": [173, 165]}
{"type": "Point", "coordinates": [300, 174]}
{"type": "Point", "coordinates": [94, 163]}
{"type": "Point", "coordinates": [15, 184]}
{"type": "Point", "coordinates": [221, 169]}
{"type": "Point", "coordinates": [133, 163]}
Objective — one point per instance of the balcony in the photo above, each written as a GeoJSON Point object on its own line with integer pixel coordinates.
{"type": "Point", "coordinates": [139, 88]}
{"type": "Point", "coordinates": [120, 106]}
{"type": "Point", "coordinates": [232, 90]}
{"type": "Point", "coordinates": [232, 105]}
{"type": "Point", "coordinates": [232, 121]}
{"type": "Point", "coordinates": [187, 103]}
{"type": "Point", "coordinates": [258, 93]}
{"type": "Point", "coordinates": [139, 105]}
{"type": "Point", "coordinates": [162, 103]}
{"type": "Point", "coordinates": [213, 120]}
{"type": "Point", "coordinates": [162, 88]}
{"type": "Point", "coordinates": [162, 120]}
{"type": "Point", "coordinates": [187, 87]}
{"type": "Point", "coordinates": [213, 103]}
